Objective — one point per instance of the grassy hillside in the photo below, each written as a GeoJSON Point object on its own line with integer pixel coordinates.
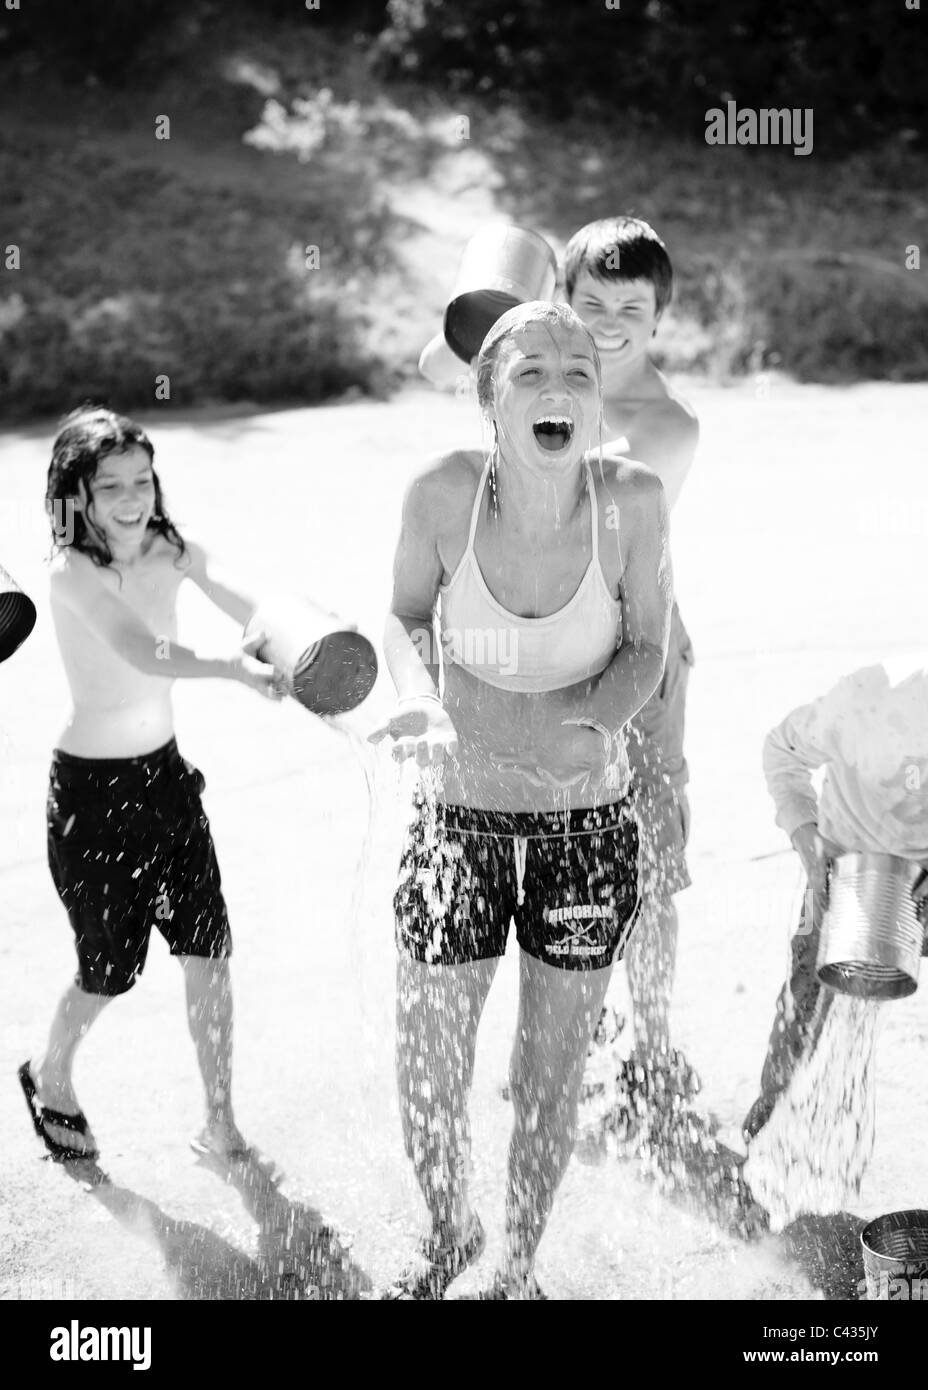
{"type": "Point", "coordinates": [294, 237]}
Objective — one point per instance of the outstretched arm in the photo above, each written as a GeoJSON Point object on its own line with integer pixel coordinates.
{"type": "Point", "coordinates": [227, 593]}
{"type": "Point", "coordinates": [83, 592]}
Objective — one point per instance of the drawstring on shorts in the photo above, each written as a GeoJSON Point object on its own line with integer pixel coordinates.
{"type": "Point", "coordinates": [520, 851]}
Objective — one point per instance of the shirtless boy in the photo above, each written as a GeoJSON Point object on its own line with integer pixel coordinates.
{"type": "Point", "coordinates": [618, 278]}
{"type": "Point", "coordinates": [129, 846]}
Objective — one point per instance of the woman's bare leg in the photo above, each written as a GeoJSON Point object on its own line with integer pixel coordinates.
{"type": "Point", "coordinates": [558, 1010]}
{"type": "Point", "coordinates": [438, 1008]}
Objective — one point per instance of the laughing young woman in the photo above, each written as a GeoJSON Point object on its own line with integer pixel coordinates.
{"type": "Point", "coordinates": [552, 585]}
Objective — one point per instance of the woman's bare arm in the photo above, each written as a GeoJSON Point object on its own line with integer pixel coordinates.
{"type": "Point", "coordinates": [420, 727]}
{"type": "Point", "coordinates": [409, 643]}
{"type": "Point", "coordinates": [635, 671]}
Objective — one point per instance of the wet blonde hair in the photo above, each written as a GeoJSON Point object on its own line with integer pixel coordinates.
{"type": "Point", "coordinates": [536, 311]}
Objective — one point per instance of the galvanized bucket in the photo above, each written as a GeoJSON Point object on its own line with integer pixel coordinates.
{"type": "Point", "coordinates": [895, 1250]}
{"type": "Point", "coordinates": [871, 939]}
{"type": "Point", "coordinates": [17, 615]}
{"type": "Point", "coordinates": [330, 670]}
{"type": "Point", "coordinates": [501, 266]}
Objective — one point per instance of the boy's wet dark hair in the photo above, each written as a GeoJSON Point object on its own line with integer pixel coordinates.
{"type": "Point", "coordinates": [620, 248]}
{"type": "Point", "coordinates": [85, 436]}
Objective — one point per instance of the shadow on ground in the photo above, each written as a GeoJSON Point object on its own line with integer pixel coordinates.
{"type": "Point", "coordinates": [299, 1256]}
{"type": "Point", "coordinates": [827, 1250]}
{"type": "Point", "coordinates": [679, 1153]}
{"type": "Point", "coordinates": [708, 1176]}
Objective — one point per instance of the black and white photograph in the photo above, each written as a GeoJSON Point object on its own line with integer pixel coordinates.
{"type": "Point", "coordinates": [464, 685]}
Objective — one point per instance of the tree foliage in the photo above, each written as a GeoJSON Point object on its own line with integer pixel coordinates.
{"type": "Point", "coordinates": [860, 67]}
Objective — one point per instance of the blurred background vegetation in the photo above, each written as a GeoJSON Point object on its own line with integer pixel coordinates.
{"type": "Point", "coordinates": [383, 134]}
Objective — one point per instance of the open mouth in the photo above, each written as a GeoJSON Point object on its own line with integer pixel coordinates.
{"type": "Point", "coordinates": [553, 432]}
{"type": "Point", "coordinates": [129, 521]}
{"type": "Point", "coordinates": [611, 344]}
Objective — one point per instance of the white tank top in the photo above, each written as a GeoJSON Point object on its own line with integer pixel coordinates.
{"type": "Point", "coordinates": [529, 654]}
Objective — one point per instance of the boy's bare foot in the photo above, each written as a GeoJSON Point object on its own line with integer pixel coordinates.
{"type": "Point", "coordinates": [221, 1138]}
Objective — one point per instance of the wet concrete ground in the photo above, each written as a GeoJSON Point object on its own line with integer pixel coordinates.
{"type": "Point", "coordinates": [798, 549]}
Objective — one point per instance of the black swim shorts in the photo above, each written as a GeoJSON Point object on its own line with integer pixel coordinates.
{"type": "Point", "coordinates": [129, 848]}
{"type": "Point", "coordinates": [570, 882]}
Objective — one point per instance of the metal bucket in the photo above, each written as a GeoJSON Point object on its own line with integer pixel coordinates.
{"type": "Point", "coordinates": [17, 615]}
{"type": "Point", "coordinates": [871, 939]}
{"type": "Point", "coordinates": [330, 670]}
{"type": "Point", "coordinates": [895, 1250]}
{"type": "Point", "coordinates": [501, 266]}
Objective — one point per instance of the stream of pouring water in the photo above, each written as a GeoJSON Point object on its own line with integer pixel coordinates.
{"type": "Point", "coordinates": [812, 1153]}
{"type": "Point", "coordinates": [808, 1161]}
{"type": "Point", "coordinates": [364, 915]}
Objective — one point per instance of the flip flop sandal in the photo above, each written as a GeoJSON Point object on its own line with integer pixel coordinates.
{"type": "Point", "coordinates": [434, 1267]}
{"type": "Point", "coordinates": [42, 1116]}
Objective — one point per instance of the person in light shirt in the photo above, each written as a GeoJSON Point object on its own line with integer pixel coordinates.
{"type": "Point", "coordinates": [871, 738]}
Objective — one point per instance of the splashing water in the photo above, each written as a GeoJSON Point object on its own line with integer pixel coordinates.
{"type": "Point", "coordinates": [807, 1161]}
{"type": "Point", "coordinates": [812, 1153]}
{"type": "Point", "coordinates": [367, 920]}
{"type": "Point", "coordinates": [678, 1155]}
